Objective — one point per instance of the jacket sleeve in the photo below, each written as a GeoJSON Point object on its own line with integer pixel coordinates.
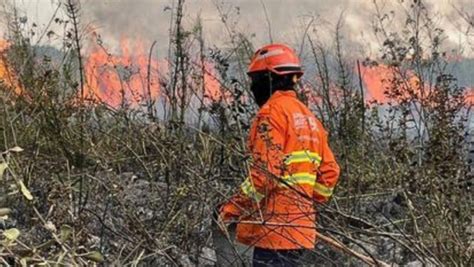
{"type": "Point", "coordinates": [328, 173]}
{"type": "Point", "coordinates": [266, 144]}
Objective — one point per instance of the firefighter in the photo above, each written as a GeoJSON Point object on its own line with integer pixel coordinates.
{"type": "Point", "coordinates": [292, 165]}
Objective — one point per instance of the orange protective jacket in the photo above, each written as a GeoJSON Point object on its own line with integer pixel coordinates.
{"type": "Point", "coordinates": [292, 166]}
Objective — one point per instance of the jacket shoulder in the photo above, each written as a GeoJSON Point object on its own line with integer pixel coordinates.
{"type": "Point", "coordinates": [286, 105]}
{"type": "Point", "coordinates": [297, 112]}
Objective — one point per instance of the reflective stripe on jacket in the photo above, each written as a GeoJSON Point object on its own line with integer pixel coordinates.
{"type": "Point", "coordinates": [292, 166]}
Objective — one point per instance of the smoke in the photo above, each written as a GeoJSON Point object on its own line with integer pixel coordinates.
{"type": "Point", "coordinates": [150, 19]}
{"type": "Point", "coordinates": [288, 19]}
{"type": "Point", "coordinates": [142, 18]}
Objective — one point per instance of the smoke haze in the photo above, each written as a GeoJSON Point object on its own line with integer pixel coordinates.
{"type": "Point", "coordinates": [150, 19]}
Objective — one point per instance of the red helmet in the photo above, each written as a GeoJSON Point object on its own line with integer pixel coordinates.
{"type": "Point", "coordinates": [277, 58]}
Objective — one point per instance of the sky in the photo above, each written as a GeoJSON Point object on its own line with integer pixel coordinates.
{"type": "Point", "coordinates": [288, 20]}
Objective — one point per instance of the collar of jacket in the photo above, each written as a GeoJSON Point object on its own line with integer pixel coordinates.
{"type": "Point", "coordinates": [280, 93]}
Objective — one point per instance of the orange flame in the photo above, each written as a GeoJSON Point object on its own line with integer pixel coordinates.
{"type": "Point", "coordinates": [6, 73]}
{"type": "Point", "coordinates": [123, 79]}
{"type": "Point", "coordinates": [374, 78]}
{"type": "Point", "coordinates": [212, 86]}
{"type": "Point", "coordinates": [379, 79]}
{"type": "Point", "coordinates": [469, 96]}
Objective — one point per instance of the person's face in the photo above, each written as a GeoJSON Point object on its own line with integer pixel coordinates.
{"type": "Point", "coordinates": [261, 88]}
